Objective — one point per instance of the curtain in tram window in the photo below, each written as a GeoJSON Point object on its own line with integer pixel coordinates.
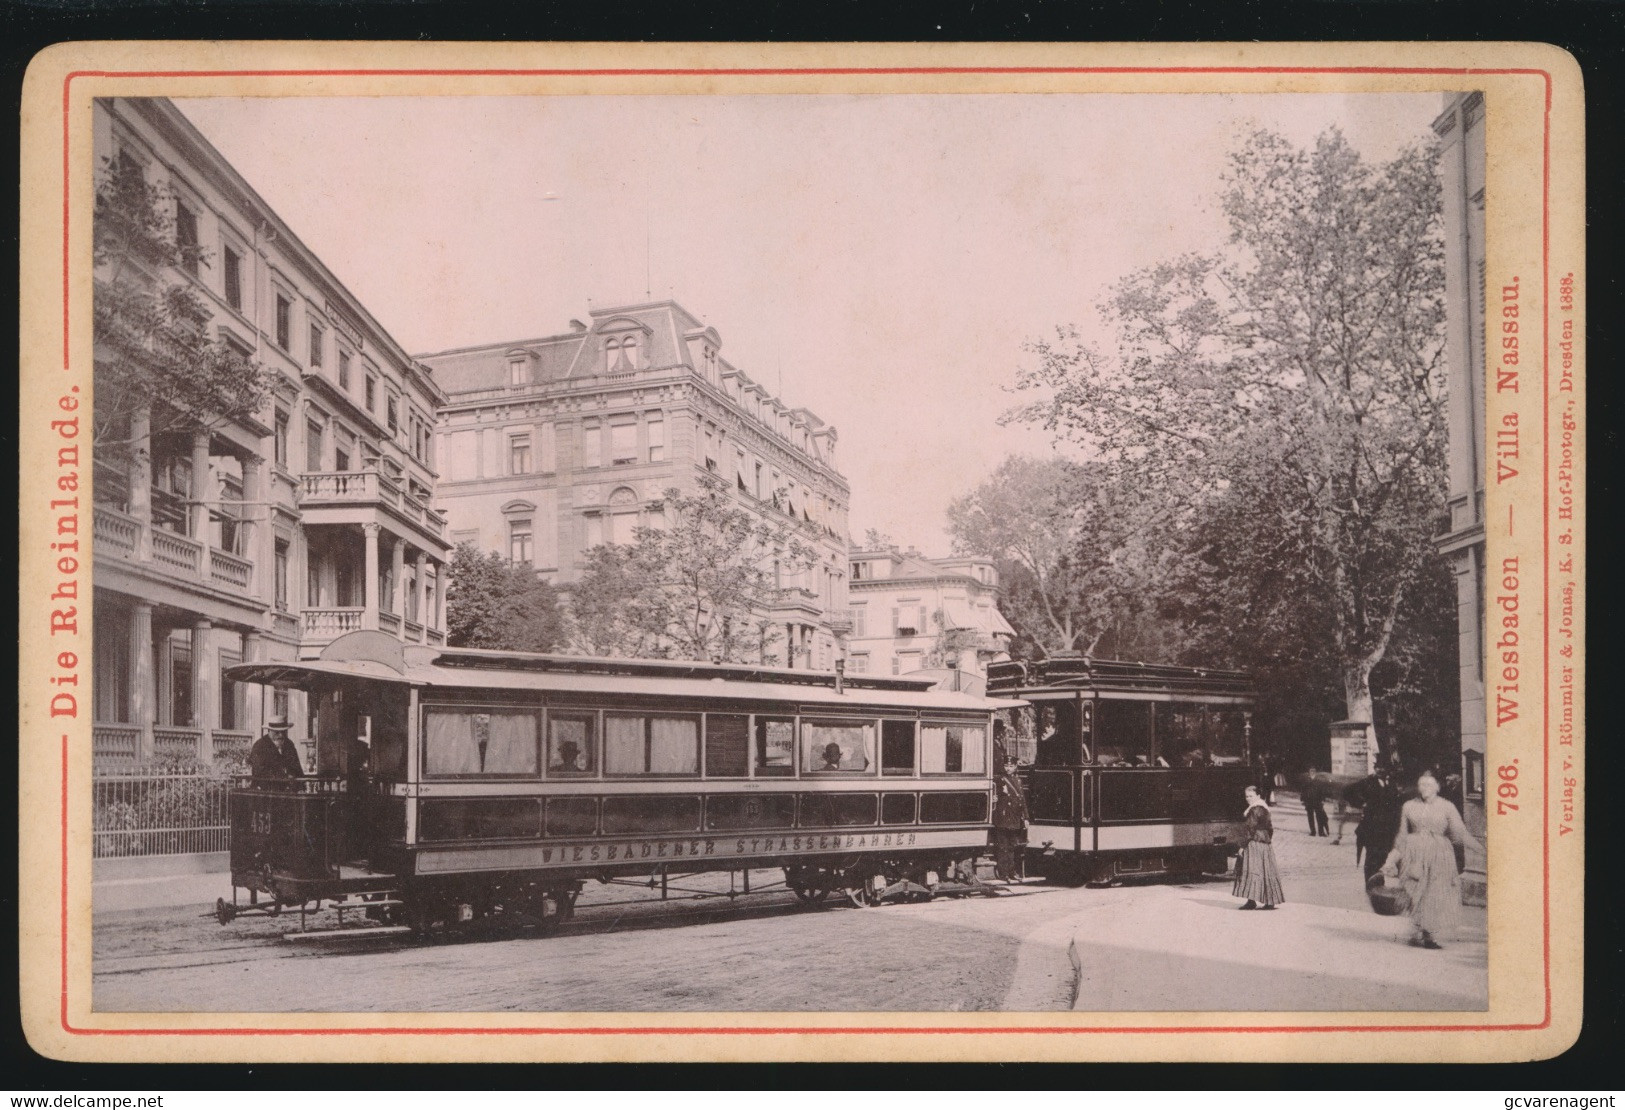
{"type": "Point", "coordinates": [511, 746]}
{"type": "Point", "coordinates": [449, 747]}
{"type": "Point", "coordinates": [972, 749]}
{"type": "Point", "coordinates": [623, 745]}
{"type": "Point", "coordinates": [933, 750]}
{"type": "Point", "coordinates": [674, 746]}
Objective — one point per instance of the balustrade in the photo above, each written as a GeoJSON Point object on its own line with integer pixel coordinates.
{"type": "Point", "coordinates": [116, 532]}
{"type": "Point", "coordinates": [113, 743]}
{"type": "Point", "coordinates": [388, 622]}
{"type": "Point", "coordinates": [333, 622]}
{"type": "Point", "coordinates": [172, 742]}
{"type": "Point", "coordinates": [177, 551]}
{"type": "Point", "coordinates": [233, 570]}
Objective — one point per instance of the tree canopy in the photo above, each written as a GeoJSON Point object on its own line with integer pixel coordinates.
{"type": "Point", "coordinates": [492, 603]}
{"type": "Point", "coordinates": [1281, 399]}
{"type": "Point", "coordinates": [696, 587]}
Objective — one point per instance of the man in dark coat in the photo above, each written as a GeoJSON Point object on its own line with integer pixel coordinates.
{"type": "Point", "coordinates": [273, 755]}
{"type": "Point", "coordinates": [1314, 803]}
{"type": "Point", "coordinates": [1009, 823]}
{"type": "Point", "coordinates": [1379, 799]}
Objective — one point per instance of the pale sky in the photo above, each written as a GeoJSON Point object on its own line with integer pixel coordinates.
{"type": "Point", "coordinates": [879, 260]}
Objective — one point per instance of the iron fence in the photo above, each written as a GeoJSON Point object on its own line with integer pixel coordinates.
{"type": "Point", "coordinates": [160, 811]}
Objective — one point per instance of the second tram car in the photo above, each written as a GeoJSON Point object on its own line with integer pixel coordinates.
{"type": "Point", "coordinates": [454, 785]}
{"type": "Point", "coordinates": [1133, 768]}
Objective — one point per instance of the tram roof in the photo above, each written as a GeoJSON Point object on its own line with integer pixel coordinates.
{"type": "Point", "coordinates": [1082, 673]}
{"type": "Point", "coordinates": [375, 656]}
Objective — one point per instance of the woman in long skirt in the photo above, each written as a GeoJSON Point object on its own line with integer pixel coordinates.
{"type": "Point", "coordinates": [1424, 859]}
{"type": "Point", "coordinates": [1257, 878]}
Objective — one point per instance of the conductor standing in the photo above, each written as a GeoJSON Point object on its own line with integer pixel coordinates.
{"type": "Point", "coordinates": [1009, 823]}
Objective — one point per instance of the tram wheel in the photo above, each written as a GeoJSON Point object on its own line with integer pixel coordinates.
{"type": "Point", "coordinates": [811, 894]}
{"type": "Point", "coordinates": [224, 911]}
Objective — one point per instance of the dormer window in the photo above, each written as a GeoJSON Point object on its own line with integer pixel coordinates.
{"type": "Point", "coordinates": [621, 355]}
{"type": "Point", "coordinates": [518, 371]}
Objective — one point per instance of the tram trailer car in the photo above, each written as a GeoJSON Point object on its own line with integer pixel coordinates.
{"type": "Point", "coordinates": [454, 785]}
{"type": "Point", "coordinates": [1136, 768]}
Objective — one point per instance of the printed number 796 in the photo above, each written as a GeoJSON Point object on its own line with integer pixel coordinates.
{"type": "Point", "coordinates": [1507, 789]}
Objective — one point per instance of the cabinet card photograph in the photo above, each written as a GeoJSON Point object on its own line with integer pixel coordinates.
{"type": "Point", "coordinates": [839, 552]}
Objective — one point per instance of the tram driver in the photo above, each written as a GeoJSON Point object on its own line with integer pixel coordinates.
{"type": "Point", "coordinates": [832, 757]}
{"type": "Point", "coordinates": [273, 755]}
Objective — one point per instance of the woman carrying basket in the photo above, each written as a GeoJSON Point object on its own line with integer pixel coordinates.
{"type": "Point", "coordinates": [1427, 858]}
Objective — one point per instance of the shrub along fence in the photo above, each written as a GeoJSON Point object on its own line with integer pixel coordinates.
{"type": "Point", "coordinates": [170, 808]}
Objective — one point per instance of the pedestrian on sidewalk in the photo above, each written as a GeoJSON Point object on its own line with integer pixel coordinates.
{"type": "Point", "coordinates": [1379, 799]}
{"type": "Point", "coordinates": [1429, 846]}
{"type": "Point", "coordinates": [1258, 879]}
{"type": "Point", "coordinates": [1009, 824]}
{"type": "Point", "coordinates": [1314, 802]}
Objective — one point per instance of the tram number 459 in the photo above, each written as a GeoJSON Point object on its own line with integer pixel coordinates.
{"type": "Point", "coordinates": [1507, 788]}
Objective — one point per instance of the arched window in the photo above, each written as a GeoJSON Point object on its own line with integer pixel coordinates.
{"type": "Point", "coordinates": [623, 516]}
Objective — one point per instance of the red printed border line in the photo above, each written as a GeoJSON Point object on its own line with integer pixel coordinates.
{"type": "Point", "coordinates": [881, 71]}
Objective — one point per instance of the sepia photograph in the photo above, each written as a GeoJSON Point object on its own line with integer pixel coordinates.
{"type": "Point", "coordinates": [878, 553]}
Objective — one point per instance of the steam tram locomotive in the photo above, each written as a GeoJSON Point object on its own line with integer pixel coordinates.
{"type": "Point", "coordinates": [456, 785]}
{"type": "Point", "coordinates": [1137, 768]}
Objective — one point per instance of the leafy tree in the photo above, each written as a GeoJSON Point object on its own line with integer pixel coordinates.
{"type": "Point", "coordinates": [492, 603]}
{"type": "Point", "coordinates": [155, 362]}
{"type": "Point", "coordinates": [1077, 550]}
{"type": "Point", "coordinates": [696, 588]}
{"type": "Point", "coordinates": [1284, 396]}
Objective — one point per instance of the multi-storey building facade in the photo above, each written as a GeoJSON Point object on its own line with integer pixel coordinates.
{"type": "Point", "coordinates": [911, 613]}
{"type": "Point", "coordinates": [1460, 128]}
{"type": "Point", "coordinates": [265, 538]}
{"type": "Point", "coordinates": [551, 446]}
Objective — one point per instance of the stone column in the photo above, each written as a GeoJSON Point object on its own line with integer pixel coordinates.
{"type": "Point", "coordinates": [397, 593]}
{"type": "Point", "coordinates": [199, 509]}
{"type": "Point", "coordinates": [254, 716]}
{"type": "Point", "coordinates": [205, 688]}
{"type": "Point", "coordinates": [440, 596]}
{"type": "Point", "coordinates": [141, 490]}
{"type": "Point", "coordinates": [143, 678]}
{"type": "Point", "coordinates": [254, 490]}
{"type": "Point", "coordinates": [419, 586]}
{"type": "Point", "coordinates": [369, 578]}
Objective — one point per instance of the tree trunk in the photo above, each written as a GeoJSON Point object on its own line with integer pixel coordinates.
{"type": "Point", "coordinates": [1357, 700]}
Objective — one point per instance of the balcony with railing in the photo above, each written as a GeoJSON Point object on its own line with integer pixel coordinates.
{"type": "Point", "coordinates": [328, 623]}
{"type": "Point", "coordinates": [354, 488]}
{"type": "Point", "coordinates": [126, 538]}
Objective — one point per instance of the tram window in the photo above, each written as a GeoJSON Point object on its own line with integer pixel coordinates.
{"type": "Point", "coordinates": [570, 744]}
{"type": "Point", "coordinates": [897, 747]}
{"type": "Point", "coordinates": [642, 745]}
{"type": "Point", "coordinates": [775, 746]}
{"type": "Point", "coordinates": [483, 742]}
{"type": "Point", "coordinates": [727, 745]}
{"type": "Point", "coordinates": [1182, 734]}
{"type": "Point", "coordinates": [1124, 733]}
{"type": "Point", "coordinates": [1227, 736]}
{"type": "Point", "coordinates": [1065, 735]}
{"type": "Point", "coordinates": [836, 746]}
{"type": "Point", "coordinates": [953, 750]}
